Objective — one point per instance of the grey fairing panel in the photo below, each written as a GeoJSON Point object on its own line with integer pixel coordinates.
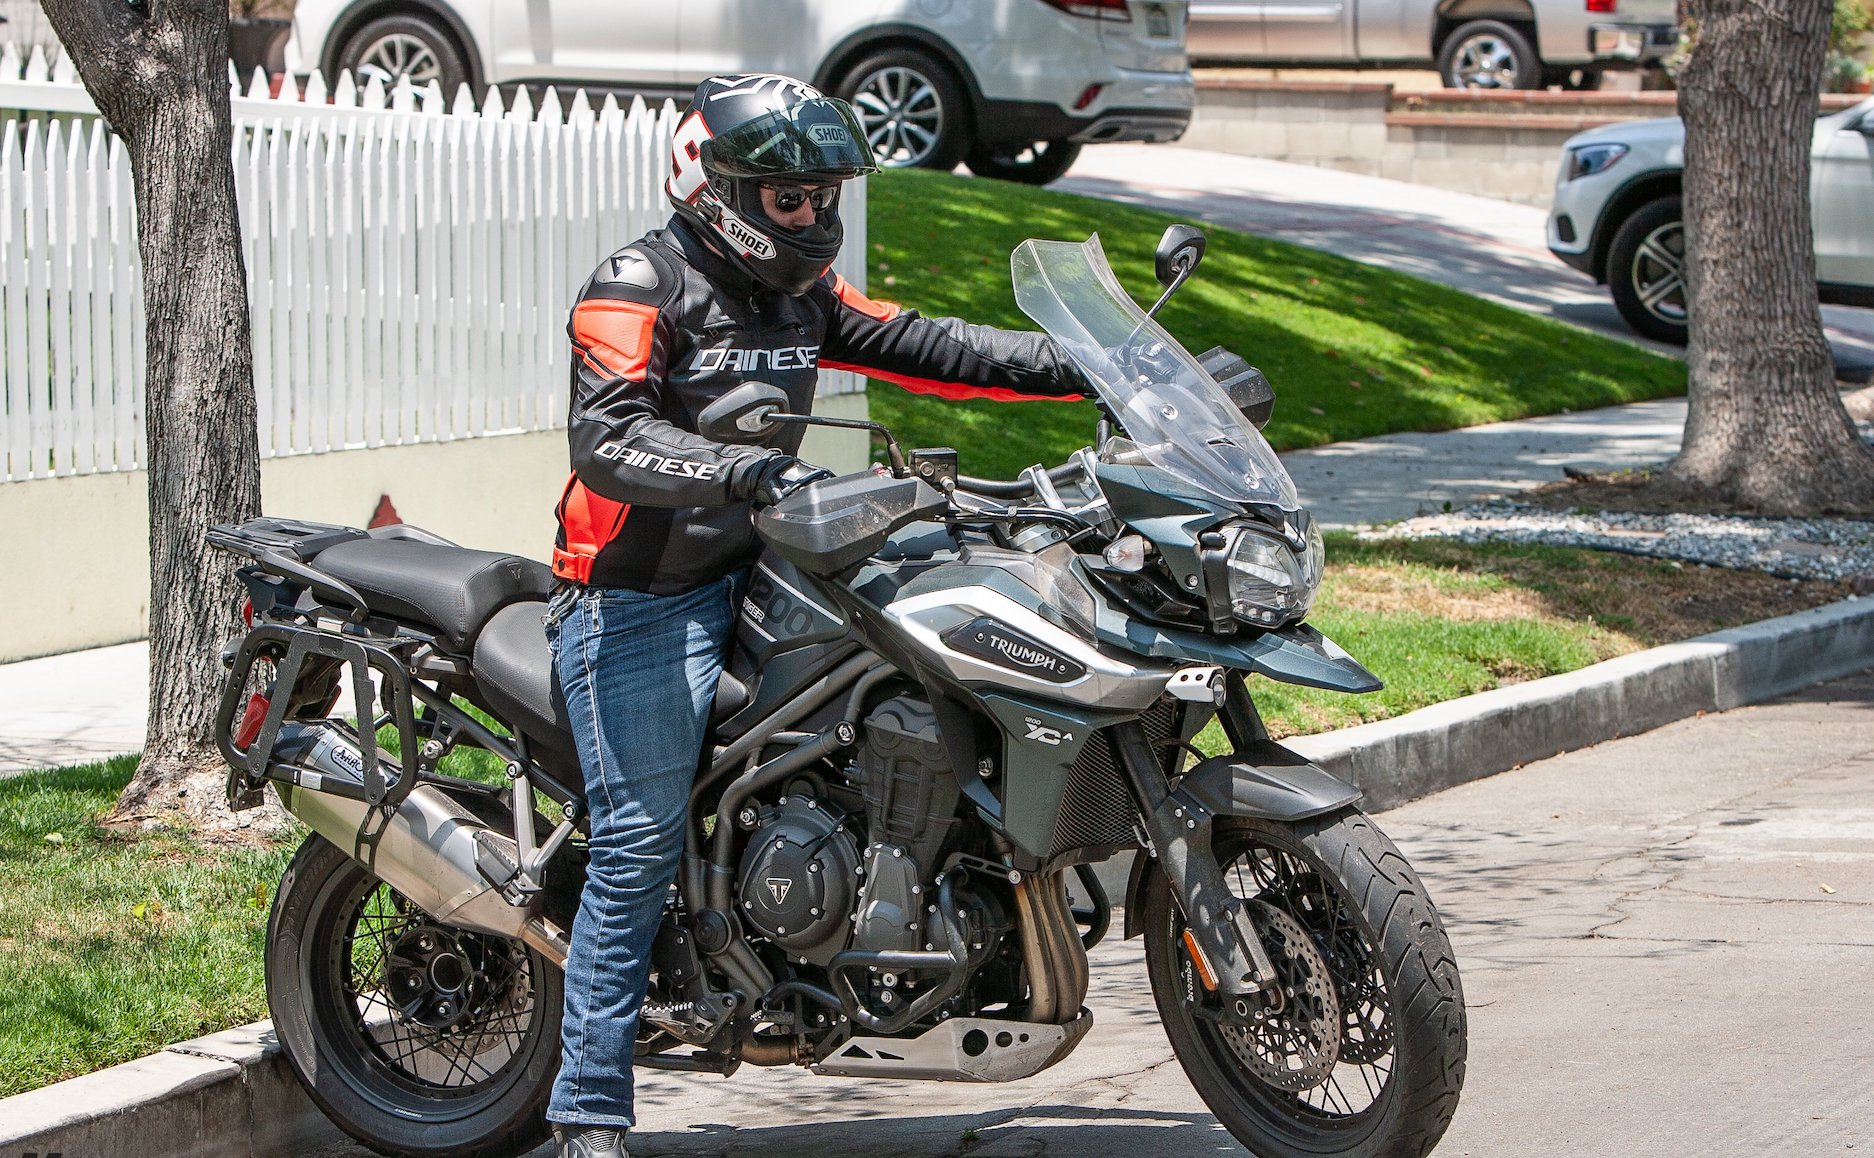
{"type": "Point", "coordinates": [1293, 655]}
{"type": "Point", "coordinates": [1264, 782]}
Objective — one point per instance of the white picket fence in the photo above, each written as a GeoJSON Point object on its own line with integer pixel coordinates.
{"type": "Point", "coordinates": [410, 265]}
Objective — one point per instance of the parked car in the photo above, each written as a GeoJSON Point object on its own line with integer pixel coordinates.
{"type": "Point", "coordinates": [1617, 215]}
{"type": "Point", "coordinates": [1011, 87]}
{"type": "Point", "coordinates": [1492, 44]}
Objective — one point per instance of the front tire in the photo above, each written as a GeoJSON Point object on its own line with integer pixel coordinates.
{"type": "Point", "coordinates": [1379, 1076]}
{"type": "Point", "coordinates": [1646, 271]}
{"type": "Point", "coordinates": [414, 1038]}
{"type": "Point", "coordinates": [395, 47]}
{"type": "Point", "coordinates": [912, 110]}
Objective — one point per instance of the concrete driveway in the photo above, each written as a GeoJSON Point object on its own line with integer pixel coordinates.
{"type": "Point", "coordinates": [1665, 941]}
{"type": "Point", "coordinates": [1494, 249]}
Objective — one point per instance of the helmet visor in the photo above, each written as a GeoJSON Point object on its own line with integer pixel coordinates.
{"type": "Point", "coordinates": [818, 137]}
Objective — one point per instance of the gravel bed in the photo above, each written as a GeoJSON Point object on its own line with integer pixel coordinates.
{"type": "Point", "coordinates": [1834, 549]}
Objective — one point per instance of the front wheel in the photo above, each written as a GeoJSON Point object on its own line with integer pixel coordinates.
{"type": "Point", "coordinates": [1366, 1055]}
{"type": "Point", "coordinates": [413, 1037]}
{"type": "Point", "coordinates": [1646, 271]}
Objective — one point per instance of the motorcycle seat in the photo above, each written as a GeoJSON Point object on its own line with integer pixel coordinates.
{"type": "Point", "coordinates": [454, 590]}
{"type": "Point", "coordinates": [513, 667]}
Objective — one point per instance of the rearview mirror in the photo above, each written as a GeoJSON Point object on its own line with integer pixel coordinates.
{"type": "Point", "coordinates": [1179, 251]}
{"type": "Point", "coordinates": [744, 414]}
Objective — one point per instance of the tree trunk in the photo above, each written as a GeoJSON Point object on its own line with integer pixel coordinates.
{"type": "Point", "coordinates": [159, 74]}
{"type": "Point", "coordinates": [1766, 430]}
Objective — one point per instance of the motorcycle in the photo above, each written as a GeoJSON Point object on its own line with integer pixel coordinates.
{"type": "Point", "coordinates": [945, 696]}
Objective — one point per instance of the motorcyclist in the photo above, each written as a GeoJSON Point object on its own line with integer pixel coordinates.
{"type": "Point", "coordinates": [654, 522]}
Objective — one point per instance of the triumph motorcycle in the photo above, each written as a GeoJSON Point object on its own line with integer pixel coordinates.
{"type": "Point", "coordinates": [946, 696]}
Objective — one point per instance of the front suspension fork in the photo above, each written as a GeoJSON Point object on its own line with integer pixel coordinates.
{"type": "Point", "coordinates": [1229, 955]}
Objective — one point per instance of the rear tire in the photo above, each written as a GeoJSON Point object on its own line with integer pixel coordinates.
{"type": "Point", "coordinates": [1646, 271]}
{"type": "Point", "coordinates": [459, 1065]}
{"type": "Point", "coordinates": [1036, 164]}
{"type": "Point", "coordinates": [1390, 1086]}
{"type": "Point", "coordinates": [1489, 54]}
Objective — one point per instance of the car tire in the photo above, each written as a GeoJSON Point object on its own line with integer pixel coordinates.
{"type": "Point", "coordinates": [912, 109]}
{"type": "Point", "coordinates": [1035, 164]}
{"type": "Point", "coordinates": [396, 46]}
{"type": "Point", "coordinates": [1489, 54]}
{"type": "Point", "coordinates": [1646, 271]}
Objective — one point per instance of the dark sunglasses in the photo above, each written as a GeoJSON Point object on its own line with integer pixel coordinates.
{"type": "Point", "coordinates": [788, 198]}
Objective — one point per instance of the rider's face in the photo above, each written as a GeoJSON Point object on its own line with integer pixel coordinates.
{"type": "Point", "coordinates": [792, 206]}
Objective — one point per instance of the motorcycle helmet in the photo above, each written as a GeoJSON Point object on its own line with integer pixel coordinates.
{"type": "Point", "coordinates": [741, 132]}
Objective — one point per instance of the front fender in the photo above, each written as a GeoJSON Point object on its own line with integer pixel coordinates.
{"type": "Point", "coordinates": [1264, 781]}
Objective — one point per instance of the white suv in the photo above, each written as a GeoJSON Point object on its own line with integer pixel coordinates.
{"type": "Point", "coordinates": [1012, 87]}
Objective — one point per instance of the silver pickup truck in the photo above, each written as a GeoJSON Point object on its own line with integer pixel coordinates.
{"type": "Point", "coordinates": [1474, 43]}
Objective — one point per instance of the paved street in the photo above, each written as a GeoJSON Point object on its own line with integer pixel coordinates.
{"type": "Point", "coordinates": [1666, 943]}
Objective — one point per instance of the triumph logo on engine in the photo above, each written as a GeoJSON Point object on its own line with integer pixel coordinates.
{"type": "Point", "coordinates": [986, 639]}
{"type": "Point", "coordinates": [778, 888]}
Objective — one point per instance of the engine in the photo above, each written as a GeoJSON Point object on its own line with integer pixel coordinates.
{"type": "Point", "coordinates": [799, 879]}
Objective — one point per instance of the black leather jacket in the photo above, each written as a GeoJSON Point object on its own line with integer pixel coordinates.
{"type": "Point", "coordinates": [663, 328]}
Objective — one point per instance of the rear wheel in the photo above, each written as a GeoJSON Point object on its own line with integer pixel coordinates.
{"type": "Point", "coordinates": [1646, 271]}
{"type": "Point", "coordinates": [412, 1037]}
{"type": "Point", "coordinates": [1366, 1055]}
{"type": "Point", "coordinates": [1489, 54]}
{"type": "Point", "coordinates": [1035, 164]}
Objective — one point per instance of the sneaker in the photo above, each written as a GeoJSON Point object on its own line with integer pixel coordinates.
{"type": "Point", "coordinates": [590, 1142]}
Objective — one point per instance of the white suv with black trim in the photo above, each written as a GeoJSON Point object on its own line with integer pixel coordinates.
{"type": "Point", "coordinates": [1011, 87]}
{"type": "Point", "coordinates": [1617, 215]}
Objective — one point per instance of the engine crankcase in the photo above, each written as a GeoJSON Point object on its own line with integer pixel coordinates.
{"type": "Point", "coordinates": [799, 879]}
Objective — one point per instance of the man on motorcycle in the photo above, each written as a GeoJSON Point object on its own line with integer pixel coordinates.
{"type": "Point", "coordinates": [654, 522]}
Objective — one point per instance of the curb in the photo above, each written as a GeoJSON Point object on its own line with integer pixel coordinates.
{"type": "Point", "coordinates": [227, 1095]}
{"type": "Point", "coordinates": [232, 1095]}
{"type": "Point", "coordinates": [1466, 739]}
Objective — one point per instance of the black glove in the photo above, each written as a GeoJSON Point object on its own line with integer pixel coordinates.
{"type": "Point", "coordinates": [784, 475]}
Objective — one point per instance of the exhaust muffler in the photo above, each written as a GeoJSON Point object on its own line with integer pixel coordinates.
{"type": "Point", "coordinates": [430, 849]}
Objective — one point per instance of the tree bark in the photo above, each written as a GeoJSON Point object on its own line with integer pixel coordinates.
{"type": "Point", "coordinates": [159, 74]}
{"type": "Point", "coordinates": [1766, 431]}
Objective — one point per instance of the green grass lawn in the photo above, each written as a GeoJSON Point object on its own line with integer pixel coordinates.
{"type": "Point", "coordinates": [1352, 350]}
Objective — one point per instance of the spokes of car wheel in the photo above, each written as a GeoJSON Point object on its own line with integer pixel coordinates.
{"type": "Point", "coordinates": [1326, 1052]}
{"type": "Point", "coordinates": [1485, 62]}
{"type": "Point", "coordinates": [901, 113]}
{"type": "Point", "coordinates": [399, 55]}
{"type": "Point", "coordinates": [433, 1007]}
{"type": "Point", "coordinates": [1659, 272]}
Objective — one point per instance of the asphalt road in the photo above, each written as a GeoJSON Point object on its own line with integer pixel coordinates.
{"type": "Point", "coordinates": [1665, 942]}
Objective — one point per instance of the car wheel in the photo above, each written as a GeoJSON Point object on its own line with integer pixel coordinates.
{"type": "Point", "coordinates": [393, 47]}
{"type": "Point", "coordinates": [1489, 54]}
{"type": "Point", "coordinates": [911, 108]}
{"type": "Point", "coordinates": [1646, 271]}
{"type": "Point", "coordinates": [1035, 164]}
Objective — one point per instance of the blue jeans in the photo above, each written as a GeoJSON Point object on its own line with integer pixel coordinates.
{"type": "Point", "coordinates": [639, 674]}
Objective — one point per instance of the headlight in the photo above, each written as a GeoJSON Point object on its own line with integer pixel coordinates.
{"type": "Point", "coordinates": [1271, 583]}
{"type": "Point", "coordinates": [1590, 159]}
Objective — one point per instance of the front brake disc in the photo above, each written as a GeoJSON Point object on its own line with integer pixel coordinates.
{"type": "Point", "coordinates": [1296, 1047]}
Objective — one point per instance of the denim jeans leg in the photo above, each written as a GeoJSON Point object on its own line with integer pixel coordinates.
{"type": "Point", "coordinates": [639, 674]}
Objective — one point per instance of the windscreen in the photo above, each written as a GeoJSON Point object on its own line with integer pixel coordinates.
{"type": "Point", "coordinates": [1181, 419]}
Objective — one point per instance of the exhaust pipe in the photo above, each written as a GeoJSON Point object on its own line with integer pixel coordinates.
{"type": "Point", "coordinates": [429, 849]}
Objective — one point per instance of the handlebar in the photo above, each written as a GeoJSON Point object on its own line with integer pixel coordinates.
{"type": "Point", "coordinates": [1015, 488]}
